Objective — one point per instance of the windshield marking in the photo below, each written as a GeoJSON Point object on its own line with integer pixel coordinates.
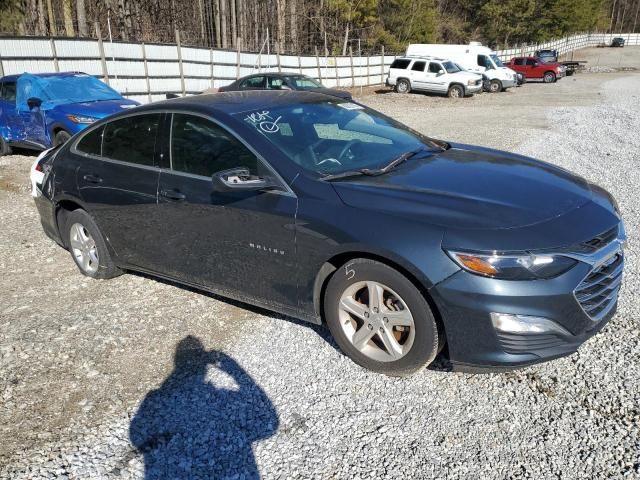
{"type": "Point", "coordinates": [264, 121]}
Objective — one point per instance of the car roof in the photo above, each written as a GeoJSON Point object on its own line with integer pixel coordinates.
{"type": "Point", "coordinates": [274, 74]}
{"type": "Point", "coordinates": [43, 75]}
{"type": "Point", "coordinates": [230, 103]}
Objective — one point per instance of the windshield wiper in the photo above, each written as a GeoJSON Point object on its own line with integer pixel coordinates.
{"type": "Point", "coordinates": [374, 171]}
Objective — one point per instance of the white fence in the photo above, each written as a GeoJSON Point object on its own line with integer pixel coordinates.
{"type": "Point", "coordinates": [147, 72]}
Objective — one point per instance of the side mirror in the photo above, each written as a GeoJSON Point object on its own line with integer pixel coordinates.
{"type": "Point", "coordinates": [285, 87]}
{"type": "Point", "coordinates": [440, 72]}
{"type": "Point", "coordinates": [239, 179]}
{"type": "Point", "coordinates": [34, 102]}
{"type": "Point", "coordinates": [169, 96]}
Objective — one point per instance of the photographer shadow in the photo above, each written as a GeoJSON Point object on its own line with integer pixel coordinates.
{"type": "Point", "coordinates": [191, 428]}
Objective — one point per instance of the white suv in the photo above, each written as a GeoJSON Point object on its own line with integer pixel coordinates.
{"type": "Point", "coordinates": [431, 74]}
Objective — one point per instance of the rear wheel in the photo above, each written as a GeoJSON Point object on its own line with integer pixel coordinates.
{"type": "Point", "coordinates": [549, 77]}
{"type": "Point", "coordinates": [495, 86]}
{"type": "Point", "coordinates": [456, 91]}
{"type": "Point", "coordinates": [380, 319]}
{"type": "Point", "coordinates": [87, 246]}
{"type": "Point", "coordinates": [61, 137]}
{"type": "Point", "coordinates": [5, 149]}
{"type": "Point", "coordinates": [403, 86]}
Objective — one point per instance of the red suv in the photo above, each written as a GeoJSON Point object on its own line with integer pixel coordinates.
{"type": "Point", "coordinates": [532, 67]}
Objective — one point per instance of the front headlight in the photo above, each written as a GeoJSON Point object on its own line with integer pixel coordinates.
{"type": "Point", "coordinates": [525, 266]}
{"type": "Point", "coordinates": [471, 82]}
{"type": "Point", "coordinates": [81, 119]}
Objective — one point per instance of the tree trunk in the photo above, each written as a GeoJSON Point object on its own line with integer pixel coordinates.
{"type": "Point", "coordinates": [216, 14]}
{"type": "Point", "coordinates": [234, 26]}
{"type": "Point", "coordinates": [280, 12]}
{"type": "Point", "coordinates": [68, 18]}
{"type": "Point", "coordinates": [42, 18]}
{"type": "Point", "coordinates": [346, 40]}
{"type": "Point", "coordinates": [82, 18]}
{"type": "Point", "coordinates": [223, 23]}
{"type": "Point", "coordinates": [52, 19]}
{"type": "Point", "coordinates": [293, 25]}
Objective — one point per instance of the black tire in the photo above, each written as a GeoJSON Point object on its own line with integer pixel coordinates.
{"type": "Point", "coordinates": [495, 86]}
{"type": "Point", "coordinates": [5, 149]}
{"type": "Point", "coordinates": [105, 267]}
{"type": "Point", "coordinates": [424, 348]}
{"type": "Point", "coordinates": [61, 137]}
{"type": "Point", "coordinates": [456, 91]}
{"type": "Point", "coordinates": [403, 86]}
{"type": "Point", "coordinates": [549, 77]}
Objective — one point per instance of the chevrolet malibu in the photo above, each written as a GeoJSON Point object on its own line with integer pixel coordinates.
{"type": "Point", "coordinates": [328, 211]}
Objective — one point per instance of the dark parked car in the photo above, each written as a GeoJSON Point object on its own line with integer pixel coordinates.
{"type": "Point", "coordinates": [326, 210]}
{"type": "Point", "coordinates": [617, 42]}
{"type": "Point", "coordinates": [282, 81]}
{"type": "Point", "coordinates": [547, 56]}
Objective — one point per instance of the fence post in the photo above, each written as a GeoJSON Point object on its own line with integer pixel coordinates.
{"type": "Point", "coordinates": [353, 75]}
{"type": "Point", "coordinates": [146, 70]}
{"type": "Point", "coordinates": [382, 67]}
{"type": "Point", "coordinates": [55, 55]}
{"type": "Point", "coordinates": [237, 59]}
{"type": "Point", "coordinates": [211, 65]}
{"type": "Point", "coordinates": [278, 60]}
{"type": "Point", "coordinates": [103, 60]}
{"type": "Point", "coordinates": [318, 65]}
{"type": "Point", "coordinates": [184, 90]}
{"type": "Point", "coordinates": [335, 61]}
{"type": "Point", "coordinates": [1, 68]}
{"type": "Point", "coordinates": [299, 64]}
{"type": "Point", "coordinates": [368, 70]}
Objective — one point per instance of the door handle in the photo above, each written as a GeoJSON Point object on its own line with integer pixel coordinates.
{"type": "Point", "coordinates": [173, 195]}
{"type": "Point", "coordinates": [92, 178]}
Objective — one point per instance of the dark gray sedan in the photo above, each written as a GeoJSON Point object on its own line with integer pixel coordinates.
{"type": "Point", "coordinates": [283, 81]}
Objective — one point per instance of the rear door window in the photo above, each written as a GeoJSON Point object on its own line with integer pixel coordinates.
{"type": "Point", "coordinates": [418, 66]}
{"type": "Point", "coordinates": [8, 92]}
{"type": "Point", "coordinates": [531, 62]}
{"type": "Point", "coordinates": [253, 82]}
{"type": "Point", "coordinates": [201, 147]}
{"type": "Point", "coordinates": [132, 139]}
{"type": "Point", "coordinates": [401, 63]}
{"type": "Point", "coordinates": [519, 61]}
{"type": "Point", "coordinates": [91, 143]}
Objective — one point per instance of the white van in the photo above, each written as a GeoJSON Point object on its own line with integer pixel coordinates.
{"type": "Point", "coordinates": [429, 74]}
{"type": "Point", "coordinates": [474, 58]}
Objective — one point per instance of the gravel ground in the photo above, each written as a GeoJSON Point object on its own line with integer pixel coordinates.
{"type": "Point", "coordinates": [134, 378]}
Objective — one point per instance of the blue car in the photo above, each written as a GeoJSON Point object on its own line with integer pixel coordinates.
{"type": "Point", "coordinates": [44, 110]}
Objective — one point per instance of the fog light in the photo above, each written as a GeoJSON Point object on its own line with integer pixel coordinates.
{"type": "Point", "coordinates": [525, 324]}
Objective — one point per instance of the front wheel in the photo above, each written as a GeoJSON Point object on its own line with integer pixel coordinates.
{"type": "Point", "coordinates": [403, 86]}
{"type": "Point", "coordinates": [61, 137]}
{"type": "Point", "coordinates": [495, 86]}
{"type": "Point", "coordinates": [456, 91]}
{"type": "Point", "coordinates": [379, 319]}
{"type": "Point", "coordinates": [87, 246]}
{"type": "Point", "coordinates": [549, 77]}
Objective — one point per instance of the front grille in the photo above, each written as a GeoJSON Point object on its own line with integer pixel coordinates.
{"type": "Point", "coordinates": [598, 292]}
{"type": "Point", "coordinates": [600, 241]}
{"type": "Point", "coordinates": [524, 343]}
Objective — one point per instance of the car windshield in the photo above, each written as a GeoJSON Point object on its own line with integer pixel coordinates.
{"type": "Point", "coordinates": [451, 67]}
{"type": "Point", "coordinates": [497, 61]}
{"type": "Point", "coordinates": [332, 136]}
{"type": "Point", "coordinates": [304, 83]}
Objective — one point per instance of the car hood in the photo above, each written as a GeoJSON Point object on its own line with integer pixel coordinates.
{"type": "Point", "coordinates": [470, 187]}
{"type": "Point", "coordinates": [98, 109]}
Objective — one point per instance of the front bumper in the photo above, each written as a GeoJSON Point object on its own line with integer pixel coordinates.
{"type": "Point", "coordinates": [472, 89]}
{"type": "Point", "coordinates": [509, 83]}
{"type": "Point", "coordinates": [466, 301]}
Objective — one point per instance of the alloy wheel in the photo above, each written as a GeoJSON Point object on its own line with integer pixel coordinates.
{"type": "Point", "coordinates": [376, 321]}
{"type": "Point", "coordinates": [84, 248]}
